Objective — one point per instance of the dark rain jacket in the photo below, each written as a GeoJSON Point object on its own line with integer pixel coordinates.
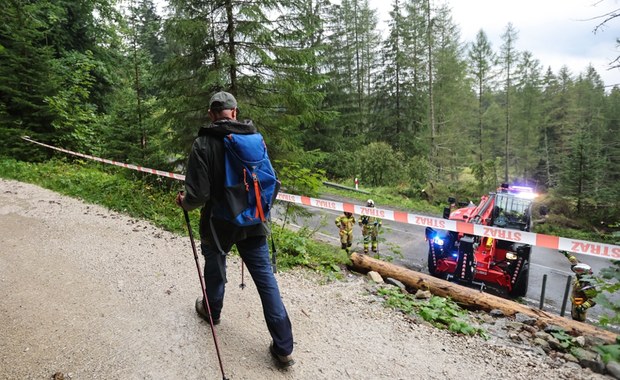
{"type": "Point", "coordinates": [204, 183]}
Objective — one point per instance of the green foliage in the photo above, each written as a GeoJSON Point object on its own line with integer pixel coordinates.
{"type": "Point", "coordinates": [403, 111]}
{"type": "Point", "coordinates": [609, 352]}
{"type": "Point", "coordinates": [301, 249]}
{"type": "Point", "coordinates": [74, 115]}
{"type": "Point", "coordinates": [111, 188]}
{"type": "Point", "coordinates": [608, 287]}
{"type": "Point", "coordinates": [438, 311]}
{"type": "Point", "coordinates": [299, 179]}
{"type": "Point", "coordinates": [563, 219]}
{"type": "Point", "coordinates": [395, 197]}
{"type": "Point", "coordinates": [567, 342]}
{"type": "Point", "coordinates": [378, 164]}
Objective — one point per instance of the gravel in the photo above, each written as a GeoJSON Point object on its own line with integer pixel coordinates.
{"type": "Point", "coordinates": [88, 293]}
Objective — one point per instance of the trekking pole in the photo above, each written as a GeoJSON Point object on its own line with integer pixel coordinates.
{"type": "Point", "coordinates": [242, 284]}
{"type": "Point", "coordinates": [273, 256]}
{"type": "Point", "coordinates": [205, 299]}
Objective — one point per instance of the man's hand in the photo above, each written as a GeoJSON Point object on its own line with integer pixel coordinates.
{"type": "Point", "coordinates": [179, 199]}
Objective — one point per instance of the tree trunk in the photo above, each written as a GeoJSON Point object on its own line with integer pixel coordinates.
{"type": "Point", "coordinates": [473, 299]}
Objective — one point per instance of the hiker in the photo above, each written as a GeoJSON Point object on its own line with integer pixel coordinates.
{"type": "Point", "coordinates": [584, 291]}
{"type": "Point", "coordinates": [204, 187]}
{"type": "Point", "coordinates": [370, 229]}
{"type": "Point", "coordinates": [345, 225]}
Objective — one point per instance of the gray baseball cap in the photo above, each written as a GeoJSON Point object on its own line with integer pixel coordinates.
{"type": "Point", "coordinates": [222, 101]}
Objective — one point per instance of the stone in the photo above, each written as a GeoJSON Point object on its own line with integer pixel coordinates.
{"type": "Point", "coordinates": [553, 328]}
{"type": "Point", "coordinates": [555, 344]}
{"type": "Point", "coordinates": [423, 294]}
{"type": "Point", "coordinates": [573, 366]}
{"type": "Point", "coordinates": [542, 343]}
{"type": "Point", "coordinates": [512, 325]}
{"type": "Point", "coordinates": [530, 329]}
{"type": "Point", "coordinates": [496, 313]}
{"type": "Point", "coordinates": [376, 277]}
{"type": "Point", "coordinates": [613, 369]}
{"type": "Point", "coordinates": [514, 337]}
{"type": "Point", "coordinates": [592, 341]}
{"type": "Point", "coordinates": [570, 358]}
{"type": "Point", "coordinates": [395, 282]}
{"type": "Point", "coordinates": [589, 359]}
{"type": "Point", "coordinates": [487, 318]}
{"type": "Point", "coordinates": [580, 341]}
{"type": "Point", "coordinates": [525, 319]}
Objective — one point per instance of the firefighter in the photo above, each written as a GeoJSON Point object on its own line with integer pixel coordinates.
{"type": "Point", "coordinates": [370, 229]}
{"type": "Point", "coordinates": [345, 224]}
{"type": "Point", "coordinates": [584, 291]}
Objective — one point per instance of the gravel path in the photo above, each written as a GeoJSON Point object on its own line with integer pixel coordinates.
{"type": "Point", "coordinates": [87, 293]}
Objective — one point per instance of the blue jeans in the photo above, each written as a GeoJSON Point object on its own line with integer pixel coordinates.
{"type": "Point", "coordinates": [255, 253]}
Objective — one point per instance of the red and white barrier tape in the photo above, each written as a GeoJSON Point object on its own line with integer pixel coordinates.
{"type": "Point", "coordinates": [608, 251]}
{"type": "Point", "coordinates": [180, 177]}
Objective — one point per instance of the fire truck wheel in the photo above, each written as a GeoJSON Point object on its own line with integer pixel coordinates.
{"type": "Point", "coordinates": [520, 287]}
{"type": "Point", "coordinates": [432, 268]}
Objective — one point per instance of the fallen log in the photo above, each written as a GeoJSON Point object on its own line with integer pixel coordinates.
{"type": "Point", "coordinates": [473, 299]}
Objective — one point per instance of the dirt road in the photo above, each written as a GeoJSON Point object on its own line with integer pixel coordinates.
{"type": "Point", "coordinates": [93, 294]}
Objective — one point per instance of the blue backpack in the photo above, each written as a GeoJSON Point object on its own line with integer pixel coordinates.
{"type": "Point", "coordinates": [250, 184]}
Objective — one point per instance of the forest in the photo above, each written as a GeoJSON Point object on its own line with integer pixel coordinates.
{"type": "Point", "coordinates": [414, 108]}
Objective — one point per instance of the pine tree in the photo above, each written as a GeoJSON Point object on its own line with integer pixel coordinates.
{"type": "Point", "coordinates": [27, 76]}
{"type": "Point", "coordinates": [481, 61]}
{"type": "Point", "coordinates": [452, 97]}
{"type": "Point", "coordinates": [253, 50]}
{"type": "Point", "coordinates": [508, 59]}
{"type": "Point", "coordinates": [527, 121]}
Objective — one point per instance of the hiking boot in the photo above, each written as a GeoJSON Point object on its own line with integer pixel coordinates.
{"type": "Point", "coordinates": [200, 309]}
{"type": "Point", "coordinates": [283, 361]}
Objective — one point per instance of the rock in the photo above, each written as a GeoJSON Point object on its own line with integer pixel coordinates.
{"type": "Point", "coordinates": [552, 328]}
{"type": "Point", "coordinates": [542, 343]}
{"type": "Point", "coordinates": [613, 368]}
{"type": "Point", "coordinates": [542, 335]}
{"type": "Point", "coordinates": [573, 366]}
{"type": "Point", "coordinates": [592, 341]}
{"type": "Point", "coordinates": [395, 282]}
{"type": "Point", "coordinates": [580, 341]}
{"type": "Point", "coordinates": [530, 329]}
{"type": "Point", "coordinates": [570, 358]}
{"type": "Point", "coordinates": [376, 277]}
{"type": "Point", "coordinates": [525, 319]}
{"type": "Point", "coordinates": [487, 318]}
{"type": "Point", "coordinates": [514, 336]}
{"type": "Point", "coordinates": [589, 359]}
{"type": "Point", "coordinates": [525, 337]}
{"type": "Point", "coordinates": [555, 344]}
{"type": "Point", "coordinates": [423, 294]}
{"type": "Point", "coordinates": [512, 325]}
{"type": "Point", "coordinates": [496, 313]}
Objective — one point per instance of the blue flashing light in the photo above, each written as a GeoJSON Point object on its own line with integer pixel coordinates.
{"type": "Point", "coordinates": [437, 240]}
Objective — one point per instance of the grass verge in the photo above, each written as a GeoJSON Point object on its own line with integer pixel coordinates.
{"type": "Point", "coordinates": [128, 193]}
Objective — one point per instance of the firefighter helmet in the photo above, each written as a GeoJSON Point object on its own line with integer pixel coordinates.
{"type": "Point", "coordinates": [370, 203]}
{"type": "Point", "coordinates": [581, 269]}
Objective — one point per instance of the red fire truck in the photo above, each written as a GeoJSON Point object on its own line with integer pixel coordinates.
{"type": "Point", "coordinates": [480, 260]}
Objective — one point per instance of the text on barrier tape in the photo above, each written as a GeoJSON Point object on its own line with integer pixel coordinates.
{"type": "Point", "coordinates": [602, 250]}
